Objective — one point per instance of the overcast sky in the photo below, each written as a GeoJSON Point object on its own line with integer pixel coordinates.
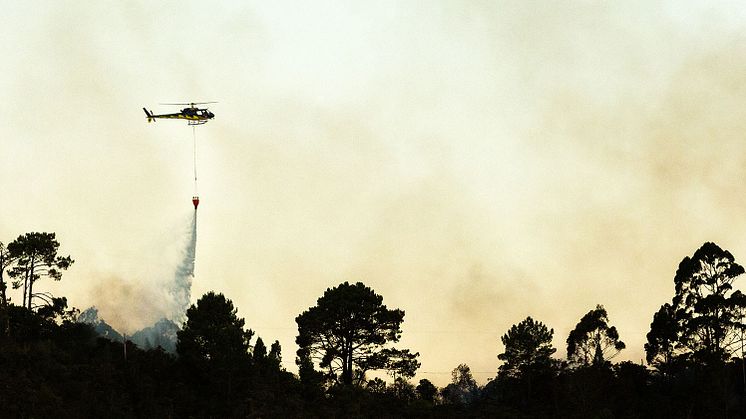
{"type": "Point", "coordinates": [473, 162]}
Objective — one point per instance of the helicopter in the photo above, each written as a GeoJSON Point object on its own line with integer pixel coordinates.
{"type": "Point", "coordinates": [193, 114]}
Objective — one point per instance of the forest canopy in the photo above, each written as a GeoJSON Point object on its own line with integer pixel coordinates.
{"type": "Point", "coordinates": [55, 365]}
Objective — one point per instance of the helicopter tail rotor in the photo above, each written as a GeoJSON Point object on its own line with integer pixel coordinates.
{"type": "Point", "coordinates": [149, 114]}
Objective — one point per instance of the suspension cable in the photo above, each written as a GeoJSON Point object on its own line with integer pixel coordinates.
{"type": "Point", "coordinates": [194, 135]}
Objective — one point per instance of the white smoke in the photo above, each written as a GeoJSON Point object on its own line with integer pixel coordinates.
{"type": "Point", "coordinates": [180, 289]}
{"type": "Point", "coordinates": [131, 303]}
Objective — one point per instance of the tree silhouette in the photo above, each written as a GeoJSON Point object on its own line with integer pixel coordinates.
{"type": "Point", "coordinates": [6, 260]}
{"type": "Point", "coordinates": [214, 348]}
{"type": "Point", "coordinates": [264, 360]}
{"type": "Point", "coordinates": [346, 332]}
{"type": "Point", "coordinates": [463, 388]}
{"type": "Point", "coordinates": [402, 389]}
{"type": "Point", "coordinates": [663, 338]}
{"type": "Point", "coordinates": [528, 349]}
{"type": "Point", "coordinates": [427, 390]}
{"type": "Point", "coordinates": [704, 318]}
{"type": "Point", "coordinates": [275, 354]}
{"type": "Point", "coordinates": [35, 257]}
{"type": "Point", "coordinates": [593, 341]}
{"type": "Point", "coordinates": [259, 354]}
{"type": "Point", "coordinates": [213, 332]}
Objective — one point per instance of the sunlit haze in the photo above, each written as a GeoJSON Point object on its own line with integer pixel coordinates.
{"type": "Point", "coordinates": [473, 162]}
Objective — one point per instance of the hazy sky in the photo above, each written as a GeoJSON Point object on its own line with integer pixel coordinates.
{"type": "Point", "coordinates": [473, 162]}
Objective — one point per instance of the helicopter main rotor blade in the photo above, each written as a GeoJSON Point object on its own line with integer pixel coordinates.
{"type": "Point", "coordinates": [187, 104]}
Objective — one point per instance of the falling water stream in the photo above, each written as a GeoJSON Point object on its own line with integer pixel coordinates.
{"type": "Point", "coordinates": [181, 287]}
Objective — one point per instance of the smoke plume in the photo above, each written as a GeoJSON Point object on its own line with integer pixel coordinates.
{"type": "Point", "coordinates": [132, 302]}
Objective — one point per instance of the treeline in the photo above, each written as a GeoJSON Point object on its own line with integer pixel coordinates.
{"type": "Point", "coordinates": [53, 366]}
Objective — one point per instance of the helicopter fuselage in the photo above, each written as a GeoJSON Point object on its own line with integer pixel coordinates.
{"type": "Point", "coordinates": [194, 116]}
